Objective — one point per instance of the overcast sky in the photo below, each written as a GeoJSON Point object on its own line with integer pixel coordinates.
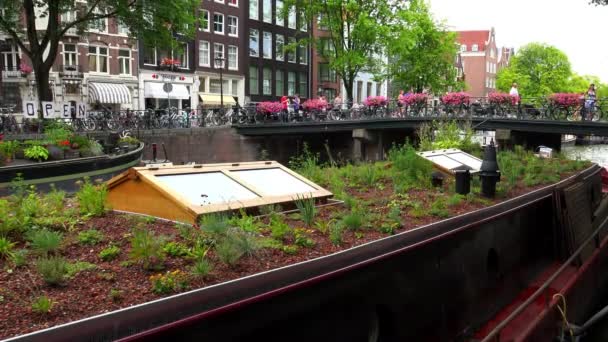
{"type": "Point", "coordinates": [572, 26]}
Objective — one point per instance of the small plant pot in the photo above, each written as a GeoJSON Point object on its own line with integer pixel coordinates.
{"type": "Point", "coordinates": [71, 154]}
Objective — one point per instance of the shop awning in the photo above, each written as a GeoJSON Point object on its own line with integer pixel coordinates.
{"type": "Point", "coordinates": [155, 90]}
{"type": "Point", "coordinates": [109, 93]}
{"type": "Point", "coordinates": [215, 100]}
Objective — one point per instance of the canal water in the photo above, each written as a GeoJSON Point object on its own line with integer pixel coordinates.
{"type": "Point", "coordinates": [597, 154]}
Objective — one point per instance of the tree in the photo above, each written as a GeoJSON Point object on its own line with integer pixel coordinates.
{"type": "Point", "coordinates": [580, 84]}
{"type": "Point", "coordinates": [37, 28]}
{"type": "Point", "coordinates": [599, 2]}
{"type": "Point", "coordinates": [422, 51]}
{"type": "Point", "coordinates": [357, 31]}
{"type": "Point", "coordinates": [539, 70]}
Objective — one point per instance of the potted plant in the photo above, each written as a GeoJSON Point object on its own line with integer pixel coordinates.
{"type": "Point", "coordinates": [8, 149]}
{"type": "Point", "coordinates": [128, 143]}
{"type": "Point", "coordinates": [416, 102]}
{"type": "Point", "coordinates": [36, 152]}
{"type": "Point", "coordinates": [25, 69]}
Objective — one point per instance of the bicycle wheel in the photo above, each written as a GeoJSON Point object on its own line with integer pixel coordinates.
{"type": "Point", "coordinates": [87, 124]}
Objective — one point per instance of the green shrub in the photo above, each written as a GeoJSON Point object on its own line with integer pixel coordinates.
{"type": "Point", "coordinates": [368, 174]}
{"type": "Point", "coordinates": [455, 200]}
{"type": "Point", "coordinates": [307, 164]}
{"type": "Point", "coordinates": [54, 199]}
{"type": "Point", "coordinates": [147, 248]}
{"type": "Point", "coordinates": [19, 257]}
{"type": "Point", "coordinates": [408, 169]}
{"type": "Point", "coordinates": [115, 295]}
{"type": "Point", "coordinates": [42, 305]}
{"type": "Point", "coordinates": [291, 250]}
{"type": "Point", "coordinates": [246, 242]}
{"type": "Point", "coordinates": [439, 208]}
{"type": "Point", "coordinates": [9, 147]}
{"type": "Point", "coordinates": [335, 234]}
{"type": "Point", "coordinates": [36, 153]}
{"type": "Point", "coordinates": [324, 225]}
{"type": "Point", "coordinates": [202, 268]}
{"type": "Point", "coordinates": [270, 209]}
{"type": "Point", "coordinates": [90, 237]}
{"type": "Point", "coordinates": [176, 249]}
{"type": "Point", "coordinates": [278, 228]}
{"type": "Point", "coordinates": [307, 209]}
{"type": "Point", "coordinates": [81, 141]}
{"type": "Point", "coordinates": [45, 241]}
{"type": "Point", "coordinates": [92, 198]}
{"type": "Point", "coordinates": [55, 134]}
{"type": "Point", "coordinates": [53, 270]}
{"type": "Point", "coordinates": [169, 282]}
{"type": "Point", "coordinates": [214, 224]}
{"type": "Point", "coordinates": [6, 248]}
{"type": "Point", "coordinates": [353, 221]}
{"type": "Point", "coordinates": [228, 252]}
{"type": "Point", "coordinates": [302, 239]}
{"type": "Point", "coordinates": [77, 267]}
{"type": "Point", "coordinates": [245, 222]}
{"type": "Point", "coordinates": [10, 224]}
{"type": "Point", "coordinates": [128, 140]}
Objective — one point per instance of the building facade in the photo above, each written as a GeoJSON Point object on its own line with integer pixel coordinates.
{"type": "Point", "coordinates": [324, 80]}
{"type": "Point", "coordinates": [272, 70]}
{"type": "Point", "coordinates": [221, 44]}
{"type": "Point", "coordinates": [98, 68]}
{"type": "Point", "coordinates": [480, 61]}
{"type": "Point", "coordinates": [365, 86]}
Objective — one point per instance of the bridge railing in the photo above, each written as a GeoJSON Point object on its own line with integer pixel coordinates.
{"type": "Point", "coordinates": [172, 118]}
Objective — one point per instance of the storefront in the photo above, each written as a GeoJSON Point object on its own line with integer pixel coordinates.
{"type": "Point", "coordinates": [167, 90]}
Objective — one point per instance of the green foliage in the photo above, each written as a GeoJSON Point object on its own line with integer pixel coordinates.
{"type": "Point", "coordinates": [92, 198]}
{"type": "Point", "coordinates": [95, 148]}
{"type": "Point", "coordinates": [228, 252]}
{"type": "Point", "coordinates": [19, 258]}
{"type": "Point", "coordinates": [90, 237]}
{"type": "Point", "coordinates": [42, 305]}
{"type": "Point", "coordinates": [54, 270]}
{"type": "Point", "coordinates": [115, 295]}
{"type": "Point", "coordinates": [324, 226]}
{"type": "Point", "coordinates": [369, 174]}
{"type": "Point", "coordinates": [409, 170]}
{"type": "Point", "coordinates": [202, 268]}
{"type": "Point", "coordinates": [455, 200]}
{"type": "Point", "coordinates": [128, 140]}
{"type": "Point", "coordinates": [278, 228]}
{"type": "Point", "coordinates": [169, 282]}
{"type": "Point", "coordinates": [6, 248]}
{"type": "Point", "coordinates": [245, 222]}
{"type": "Point", "coordinates": [57, 134]}
{"type": "Point", "coordinates": [439, 208]}
{"type": "Point", "coordinates": [77, 267]}
{"type": "Point", "coordinates": [307, 164]}
{"type": "Point", "coordinates": [110, 253]}
{"type": "Point", "coordinates": [353, 221]}
{"type": "Point", "coordinates": [306, 205]}
{"type": "Point", "coordinates": [147, 248]}
{"type": "Point", "coordinates": [302, 238]}
{"type": "Point", "coordinates": [176, 249]}
{"type": "Point", "coordinates": [214, 224]}
{"type": "Point", "coordinates": [36, 153]}
{"type": "Point", "coordinates": [291, 250]}
{"type": "Point", "coordinates": [270, 209]}
{"type": "Point", "coordinates": [335, 234]}
{"type": "Point", "coordinates": [44, 241]}
{"type": "Point", "coordinates": [81, 141]}
{"type": "Point", "coordinates": [9, 147]}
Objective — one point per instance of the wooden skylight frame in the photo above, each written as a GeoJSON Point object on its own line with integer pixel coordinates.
{"type": "Point", "coordinates": [140, 190]}
{"type": "Point", "coordinates": [429, 155]}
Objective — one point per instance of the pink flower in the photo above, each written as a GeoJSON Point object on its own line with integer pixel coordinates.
{"type": "Point", "coordinates": [374, 101]}
{"type": "Point", "coordinates": [502, 98]}
{"type": "Point", "coordinates": [314, 104]}
{"type": "Point", "coordinates": [565, 99]}
{"type": "Point", "coordinates": [25, 68]}
{"type": "Point", "coordinates": [413, 99]}
{"type": "Point", "coordinates": [456, 99]}
{"type": "Point", "coordinates": [268, 107]}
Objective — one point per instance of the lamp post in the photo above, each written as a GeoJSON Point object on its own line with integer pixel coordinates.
{"type": "Point", "coordinates": [219, 64]}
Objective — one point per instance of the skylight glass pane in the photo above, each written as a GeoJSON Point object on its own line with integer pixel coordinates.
{"type": "Point", "coordinates": [207, 188]}
{"type": "Point", "coordinates": [444, 162]}
{"type": "Point", "coordinates": [274, 182]}
{"type": "Point", "coordinates": [466, 159]}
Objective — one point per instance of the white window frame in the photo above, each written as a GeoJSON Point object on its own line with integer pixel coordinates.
{"type": "Point", "coordinates": [258, 39]}
{"type": "Point", "coordinates": [304, 27]}
{"type": "Point", "coordinates": [223, 23]}
{"type": "Point", "coordinates": [267, 11]}
{"type": "Point", "coordinates": [65, 53]}
{"type": "Point", "coordinates": [463, 48]}
{"type": "Point", "coordinates": [208, 28]}
{"type": "Point", "coordinates": [235, 4]}
{"type": "Point", "coordinates": [279, 55]}
{"type": "Point", "coordinates": [278, 19]}
{"type": "Point", "coordinates": [105, 24]}
{"type": "Point", "coordinates": [98, 55]}
{"type": "Point", "coordinates": [300, 59]}
{"type": "Point", "coordinates": [255, 15]}
{"type": "Point", "coordinates": [291, 18]}
{"type": "Point", "coordinates": [121, 27]}
{"type": "Point", "coordinates": [14, 55]}
{"type": "Point", "coordinates": [125, 59]}
{"type": "Point", "coordinates": [219, 1]}
{"type": "Point", "coordinates": [266, 43]}
{"type": "Point", "coordinates": [184, 64]}
{"type": "Point", "coordinates": [290, 41]}
{"type": "Point", "coordinates": [266, 83]}
{"type": "Point", "coordinates": [216, 53]}
{"type": "Point", "coordinates": [474, 48]}
{"type": "Point", "coordinates": [201, 43]}
{"type": "Point", "coordinates": [236, 57]}
{"type": "Point", "coordinates": [236, 26]}
{"type": "Point", "coordinates": [155, 56]}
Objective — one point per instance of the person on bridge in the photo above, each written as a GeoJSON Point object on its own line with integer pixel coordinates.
{"type": "Point", "coordinates": [590, 102]}
{"type": "Point", "coordinates": [400, 101]}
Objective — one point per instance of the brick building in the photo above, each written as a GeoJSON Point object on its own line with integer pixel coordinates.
{"type": "Point", "coordinates": [97, 67]}
{"type": "Point", "coordinates": [324, 80]}
{"type": "Point", "coordinates": [480, 60]}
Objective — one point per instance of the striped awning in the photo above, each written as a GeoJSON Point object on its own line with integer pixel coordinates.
{"type": "Point", "coordinates": [109, 93]}
{"type": "Point", "coordinates": [216, 100]}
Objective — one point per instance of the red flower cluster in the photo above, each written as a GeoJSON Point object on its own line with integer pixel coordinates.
{"type": "Point", "coordinates": [64, 143]}
{"type": "Point", "coordinates": [268, 107]}
{"type": "Point", "coordinates": [169, 61]}
{"type": "Point", "coordinates": [565, 99]}
{"type": "Point", "coordinates": [375, 101]}
{"type": "Point", "coordinates": [456, 99]}
{"type": "Point", "coordinates": [25, 68]}
{"type": "Point", "coordinates": [314, 104]}
{"type": "Point", "coordinates": [502, 98]}
{"type": "Point", "coordinates": [413, 99]}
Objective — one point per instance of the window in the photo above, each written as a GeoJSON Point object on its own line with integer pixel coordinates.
{"type": "Point", "coordinates": [492, 53]}
{"type": "Point", "coordinates": [220, 1]}
{"type": "Point", "coordinates": [463, 48]}
{"type": "Point", "coordinates": [278, 19]}
{"type": "Point", "coordinates": [67, 18]}
{"type": "Point", "coordinates": [291, 83]}
{"type": "Point", "coordinates": [474, 47]}
{"type": "Point", "coordinates": [11, 58]}
{"type": "Point", "coordinates": [205, 23]}
{"type": "Point", "coordinates": [123, 29]}
{"type": "Point", "coordinates": [99, 25]}
{"type": "Point", "coordinates": [368, 89]}
{"type": "Point", "coordinates": [326, 74]}
{"type": "Point", "coordinates": [232, 57]}
{"type": "Point", "coordinates": [124, 61]}
{"type": "Point", "coordinates": [254, 43]}
{"type": "Point", "coordinates": [321, 21]}
{"type": "Point", "coordinates": [303, 89]}
{"type": "Point", "coordinates": [70, 54]}
{"type": "Point", "coordinates": [378, 88]}
{"type": "Point", "coordinates": [203, 53]}
{"type": "Point", "coordinates": [235, 87]}
{"type": "Point", "coordinates": [303, 54]}
{"type": "Point", "coordinates": [149, 55]}
{"type": "Point", "coordinates": [278, 48]}
{"type": "Point", "coordinates": [359, 91]}
{"type": "Point", "coordinates": [487, 66]}
{"type": "Point", "coordinates": [278, 85]}
{"type": "Point", "coordinates": [215, 87]}
{"type": "Point", "coordinates": [253, 9]}
{"type": "Point", "coordinates": [234, 3]}
{"type": "Point", "coordinates": [181, 55]}
{"type": "Point", "coordinates": [326, 47]}
{"type": "Point", "coordinates": [267, 81]}
{"type": "Point", "coordinates": [233, 26]}
{"type": "Point", "coordinates": [267, 45]}
{"type": "Point", "coordinates": [218, 52]}
{"type": "Point", "coordinates": [267, 11]}
{"type": "Point", "coordinates": [98, 59]}
{"type": "Point", "coordinates": [302, 22]}
{"type": "Point", "coordinates": [291, 19]}
{"type": "Point", "coordinates": [218, 23]}
{"type": "Point", "coordinates": [253, 80]}
{"type": "Point", "coordinates": [291, 55]}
